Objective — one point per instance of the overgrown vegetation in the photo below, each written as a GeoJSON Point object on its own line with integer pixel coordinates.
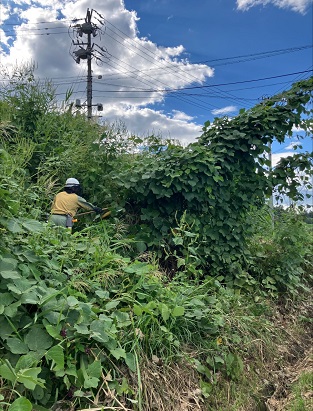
{"type": "Point", "coordinates": [172, 303]}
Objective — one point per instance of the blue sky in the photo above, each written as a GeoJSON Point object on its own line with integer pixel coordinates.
{"type": "Point", "coordinates": [215, 31]}
{"type": "Point", "coordinates": [153, 45]}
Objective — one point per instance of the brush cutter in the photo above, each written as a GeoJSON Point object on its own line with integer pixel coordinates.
{"type": "Point", "coordinates": [106, 213]}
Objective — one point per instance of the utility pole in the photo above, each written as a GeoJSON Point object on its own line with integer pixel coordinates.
{"type": "Point", "coordinates": [271, 201]}
{"type": "Point", "coordinates": [89, 73]}
{"type": "Point", "coordinates": [270, 168]}
{"type": "Point", "coordinates": [91, 51]}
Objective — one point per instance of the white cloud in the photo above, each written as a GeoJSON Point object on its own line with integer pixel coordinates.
{"type": "Point", "coordinates": [296, 129]}
{"type": "Point", "coordinates": [277, 156]}
{"type": "Point", "coordinates": [145, 121]}
{"type": "Point", "coordinates": [224, 110]}
{"type": "Point", "coordinates": [134, 75]}
{"type": "Point", "coordinates": [179, 115]}
{"type": "Point", "coordinates": [300, 6]}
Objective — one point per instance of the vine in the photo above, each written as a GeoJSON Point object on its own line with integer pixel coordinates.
{"type": "Point", "coordinates": [216, 181]}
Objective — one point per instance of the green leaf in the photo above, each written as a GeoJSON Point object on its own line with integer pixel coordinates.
{"type": "Point", "coordinates": [122, 319]}
{"type": "Point", "coordinates": [8, 268]}
{"type": "Point", "coordinates": [56, 354]}
{"type": "Point", "coordinates": [218, 360]}
{"type": "Point", "coordinates": [112, 304]}
{"type": "Point", "coordinates": [97, 331]}
{"type": "Point", "coordinates": [38, 339]}
{"type": "Point", "coordinates": [14, 227]}
{"type": "Point", "coordinates": [17, 346]}
{"type": "Point", "coordinates": [91, 382]}
{"type": "Point", "coordinates": [30, 297]}
{"type": "Point", "coordinates": [33, 226]}
{"type": "Point", "coordinates": [178, 240]}
{"type": "Point", "coordinates": [54, 331]}
{"type": "Point", "coordinates": [7, 372]}
{"type": "Point", "coordinates": [81, 247]}
{"type": "Point", "coordinates": [30, 256]}
{"type": "Point", "coordinates": [6, 298]}
{"type": "Point", "coordinates": [91, 374]}
{"type": "Point", "coordinates": [38, 394]}
{"type": "Point", "coordinates": [72, 301]}
{"type": "Point", "coordinates": [206, 388]}
{"type": "Point", "coordinates": [118, 353]}
{"type": "Point", "coordinates": [27, 361]}
{"type": "Point", "coordinates": [82, 329]}
{"type": "Point", "coordinates": [165, 312]}
{"type": "Point", "coordinates": [141, 246]}
{"type": "Point", "coordinates": [29, 377]}
{"type": "Point", "coordinates": [178, 311]}
{"type": "Point", "coordinates": [202, 369]}
{"type": "Point", "coordinates": [11, 310]}
{"type": "Point", "coordinates": [5, 328]}
{"type": "Point", "coordinates": [21, 404]}
{"type": "Point", "coordinates": [94, 369]}
{"type": "Point", "coordinates": [103, 294]}
{"type": "Point", "coordinates": [11, 274]}
{"type": "Point", "coordinates": [137, 310]}
{"type": "Point", "coordinates": [8, 263]}
{"type": "Point", "coordinates": [130, 360]}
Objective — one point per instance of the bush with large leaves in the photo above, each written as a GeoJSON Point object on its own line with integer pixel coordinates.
{"type": "Point", "coordinates": [215, 182]}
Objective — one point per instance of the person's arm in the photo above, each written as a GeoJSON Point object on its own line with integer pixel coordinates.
{"type": "Point", "coordinates": [88, 206]}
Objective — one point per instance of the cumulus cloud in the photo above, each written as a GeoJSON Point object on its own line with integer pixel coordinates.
{"type": "Point", "coordinates": [296, 129]}
{"type": "Point", "coordinates": [299, 6]}
{"type": "Point", "coordinates": [145, 121]}
{"type": "Point", "coordinates": [224, 111]}
{"type": "Point", "coordinates": [129, 72]}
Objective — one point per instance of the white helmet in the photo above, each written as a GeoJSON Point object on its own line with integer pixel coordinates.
{"type": "Point", "coordinates": [71, 182]}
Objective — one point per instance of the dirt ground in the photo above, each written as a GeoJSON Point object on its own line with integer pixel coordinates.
{"type": "Point", "coordinates": [296, 355]}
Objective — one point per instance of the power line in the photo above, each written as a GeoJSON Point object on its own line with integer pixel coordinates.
{"type": "Point", "coordinates": [161, 64]}
{"type": "Point", "coordinates": [255, 56]}
{"type": "Point", "coordinates": [149, 51]}
{"type": "Point", "coordinates": [207, 86]}
{"type": "Point", "coordinates": [227, 60]}
{"type": "Point", "coordinates": [40, 22]}
{"type": "Point", "coordinates": [244, 81]}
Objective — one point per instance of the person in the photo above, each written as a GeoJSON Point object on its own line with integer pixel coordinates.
{"type": "Point", "coordinates": [66, 203]}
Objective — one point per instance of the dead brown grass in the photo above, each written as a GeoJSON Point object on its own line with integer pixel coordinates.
{"type": "Point", "coordinates": [289, 375]}
{"type": "Point", "coordinates": [172, 387]}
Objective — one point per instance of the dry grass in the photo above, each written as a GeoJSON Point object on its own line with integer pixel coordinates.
{"type": "Point", "coordinates": [283, 396]}
{"type": "Point", "coordinates": [170, 388]}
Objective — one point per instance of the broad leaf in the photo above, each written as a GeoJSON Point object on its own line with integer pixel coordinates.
{"type": "Point", "coordinates": [21, 404]}
{"type": "Point", "coordinates": [17, 346]}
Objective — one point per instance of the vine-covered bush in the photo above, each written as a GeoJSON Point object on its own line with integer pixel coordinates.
{"type": "Point", "coordinates": [217, 181]}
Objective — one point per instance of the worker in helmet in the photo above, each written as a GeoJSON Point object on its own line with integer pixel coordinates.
{"type": "Point", "coordinates": [67, 202]}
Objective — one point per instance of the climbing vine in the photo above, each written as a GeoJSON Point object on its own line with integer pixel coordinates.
{"type": "Point", "coordinates": [216, 181]}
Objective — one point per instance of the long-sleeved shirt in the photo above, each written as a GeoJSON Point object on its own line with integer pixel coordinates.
{"type": "Point", "coordinates": [68, 204]}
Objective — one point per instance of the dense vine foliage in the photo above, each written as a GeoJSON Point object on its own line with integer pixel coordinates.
{"type": "Point", "coordinates": [215, 182]}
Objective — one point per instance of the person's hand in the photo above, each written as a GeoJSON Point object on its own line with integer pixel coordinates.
{"type": "Point", "coordinates": [98, 210]}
